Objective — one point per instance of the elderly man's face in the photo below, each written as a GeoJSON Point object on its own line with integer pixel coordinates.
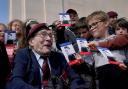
{"type": "Point", "coordinates": [42, 42]}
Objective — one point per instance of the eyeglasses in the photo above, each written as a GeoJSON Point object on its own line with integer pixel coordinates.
{"type": "Point", "coordinates": [45, 34]}
{"type": "Point", "coordinates": [93, 25]}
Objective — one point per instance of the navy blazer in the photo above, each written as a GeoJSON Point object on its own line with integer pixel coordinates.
{"type": "Point", "coordinates": [26, 72]}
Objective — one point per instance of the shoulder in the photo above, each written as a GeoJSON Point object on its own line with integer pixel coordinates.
{"type": "Point", "coordinates": [56, 54]}
{"type": "Point", "coordinates": [22, 52]}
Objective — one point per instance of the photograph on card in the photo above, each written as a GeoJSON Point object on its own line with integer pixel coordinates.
{"type": "Point", "coordinates": [82, 45]}
{"type": "Point", "coordinates": [9, 37]}
{"type": "Point", "coordinates": [106, 53]}
{"type": "Point", "coordinates": [68, 51]}
{"type": "Point", "coordinates": [108, 57]}
{"type": "Point", "coordinates": [65, 19]}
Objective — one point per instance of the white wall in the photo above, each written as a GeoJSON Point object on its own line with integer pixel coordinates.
{"type": "Point", "coordinates": [35, 8]}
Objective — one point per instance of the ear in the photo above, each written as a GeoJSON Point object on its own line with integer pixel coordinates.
{"type": "Point", "coordinates": [107, 23]}
{"type": "Point", "coordinates": [31, 41]}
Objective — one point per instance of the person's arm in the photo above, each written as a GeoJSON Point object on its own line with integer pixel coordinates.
{"type": "Point", "coordinates": [117, 42]}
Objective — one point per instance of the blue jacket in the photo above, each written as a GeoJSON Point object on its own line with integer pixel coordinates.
{"type": "Point", "coordinates": [26, 72]}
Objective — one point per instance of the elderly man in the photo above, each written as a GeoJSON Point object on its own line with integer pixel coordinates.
{"type": "Point", "coordinates": [37, 67]}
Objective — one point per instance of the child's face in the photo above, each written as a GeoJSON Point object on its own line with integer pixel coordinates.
{"type": "Point", "coordinates": [121, 31]}
{"type": "Point", "coordinates": [83, 33]}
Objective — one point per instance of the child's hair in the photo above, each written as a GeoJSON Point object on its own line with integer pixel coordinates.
{"type": "Point", "coordinates": [80, 25]}
{"type": "Point", "coordinates": [121, 22]}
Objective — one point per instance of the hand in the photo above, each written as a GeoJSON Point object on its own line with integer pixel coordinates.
{"type": "Point", "coordinates": [122, 66]}
{"type": "Point", "coordinates": [78, 56]}
{"type": "Point", "coordinates": [93, 45]}
{"type": "Point", "coordinates": [57, 23]}
{"type": "Point", "coordinates": [15, 50]}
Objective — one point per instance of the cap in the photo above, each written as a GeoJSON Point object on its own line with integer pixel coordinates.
{"type": "Point", "coordinates": [36, 29]}
{"type": "Point", "coordinates": [112, 14]}
{"type": "Point", "coordinates": [69, 11]}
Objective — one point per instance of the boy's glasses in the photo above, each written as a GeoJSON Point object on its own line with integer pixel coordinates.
{"type": "Point", "coordinates": [95, 24]}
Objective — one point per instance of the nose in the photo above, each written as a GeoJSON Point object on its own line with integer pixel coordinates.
{"type": "Point", "coordinates": [81, 35]}
{"type": "Point", "coordinates": [48, 37]}
{"type": "Point", "coordinates": [120, 31]}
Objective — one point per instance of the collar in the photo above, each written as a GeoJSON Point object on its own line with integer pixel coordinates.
{"type": "Point", "coordinates": [37, 55]}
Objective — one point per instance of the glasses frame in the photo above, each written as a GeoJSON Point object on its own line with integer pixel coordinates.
{"type": "Point", "coordinates": [95, 24]}
{"type": "Point", "coordinates": [45, 34]}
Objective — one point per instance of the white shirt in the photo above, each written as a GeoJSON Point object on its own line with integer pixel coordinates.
{"type": "Point", "coordinates": [40, 61]}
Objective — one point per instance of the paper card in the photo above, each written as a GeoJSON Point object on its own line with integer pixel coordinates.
{"type": "Point", "coordinates": [10, 37]}
{"type": "Point", "coordinates": [65, 19]}
{"type": "Point", "coordinates": [104, 58]}
{"type": "Point", "coordinates": [106, 53]}
{"type": "Point", "coordinates": [82, 45]}
{"type": "Point", "coordinates": [68, 51]}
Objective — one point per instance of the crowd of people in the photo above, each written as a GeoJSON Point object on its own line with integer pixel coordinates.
{"type": "Point", "coordinates": [37, 61]}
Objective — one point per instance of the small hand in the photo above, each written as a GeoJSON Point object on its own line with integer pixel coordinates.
{"type": "Point", "coordinates": [122, 66]}
{"type": "Point", "coordinates": [93, 45]}
{"type": "Point", "coordinates": [57, 23]}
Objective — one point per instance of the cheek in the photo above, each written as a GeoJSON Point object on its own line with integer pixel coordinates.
{"type": "Point", "coordinates": [13, 28]}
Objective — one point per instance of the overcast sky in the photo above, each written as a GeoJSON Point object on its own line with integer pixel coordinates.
{"type": "Point", "coordinates": [4, 11]}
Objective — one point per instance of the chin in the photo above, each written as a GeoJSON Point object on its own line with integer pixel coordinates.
{"type": "Point", "coordinates": [47, 52]}
{"type": "Point", "coordinates": [96, 35]}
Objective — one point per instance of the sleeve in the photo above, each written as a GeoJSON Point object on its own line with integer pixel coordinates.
{"type": "Point", "coordinates": [17, 80]}
{"type": "Point", "coordinates": [116, 43]}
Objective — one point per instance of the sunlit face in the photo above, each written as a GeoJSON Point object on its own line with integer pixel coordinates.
{"type": "Point", "coordinates": [97, 27]}
{"type": "Point", "coordinates": [121, 31]}
{"type": "Point", "coordinates": [42, 42]}
{"type": "Point", "coordinates": [16, 26]}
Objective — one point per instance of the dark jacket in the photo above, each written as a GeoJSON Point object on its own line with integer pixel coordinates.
{"type": "Point", "coordinates": [4, 66]}
{"type": "Point", "coordinates": [26, 72]}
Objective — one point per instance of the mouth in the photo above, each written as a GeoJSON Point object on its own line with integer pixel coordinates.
{"type": "Point", "coordinates": [93, 31]}
{"type": "Point", "coordinates": [121, 34]}
{"type": "Point", "coordinates": [48, 45]}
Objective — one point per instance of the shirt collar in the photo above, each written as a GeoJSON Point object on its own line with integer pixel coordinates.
{"type": "Point", "coordinates": [36, 54]}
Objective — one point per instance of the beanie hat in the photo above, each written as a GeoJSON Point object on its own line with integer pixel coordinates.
{"type": "Point", "coordinates": [112, 14]}
{"type": "Point", "coordinates": [36, 29]}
